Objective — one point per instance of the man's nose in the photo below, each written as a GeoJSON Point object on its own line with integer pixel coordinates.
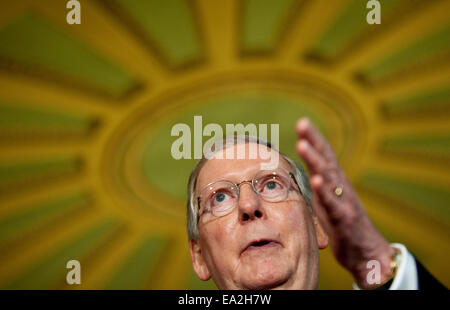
{"type": "Point", "coordinates": [250, 207]}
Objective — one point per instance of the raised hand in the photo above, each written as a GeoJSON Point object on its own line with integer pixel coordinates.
{"type": "Point", "coordinates": [354, 238]}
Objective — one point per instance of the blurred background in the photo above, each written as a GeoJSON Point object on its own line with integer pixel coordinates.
{"type": "Point", "coordinates": [86, 112]}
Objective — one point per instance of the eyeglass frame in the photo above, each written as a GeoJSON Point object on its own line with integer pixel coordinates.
{"type": "Point", "coordinates": [238, 188]}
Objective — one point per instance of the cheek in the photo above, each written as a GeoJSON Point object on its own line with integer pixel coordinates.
{"type": "Point", "coordinates": [294, 225]}
{"type": "Point", "coordinates": [220, 240]}
{"type": "Point", "coordinates": [220, 231]}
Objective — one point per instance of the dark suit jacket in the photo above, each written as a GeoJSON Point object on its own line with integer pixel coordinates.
{"type": "Point", "coordinates": [426, 280]}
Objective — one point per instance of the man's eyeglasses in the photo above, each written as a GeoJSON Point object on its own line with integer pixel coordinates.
{"type": "Point", "coordinates": [219, 198]}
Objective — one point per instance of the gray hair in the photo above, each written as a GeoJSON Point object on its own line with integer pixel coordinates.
{"type": "Point", "coordinates": [192, 211]}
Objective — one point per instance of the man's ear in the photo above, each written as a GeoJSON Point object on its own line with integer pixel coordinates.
{"type": "Point", "coordinates": [322, 237]}
{"type": "Point", "coordinates": [198, 263]}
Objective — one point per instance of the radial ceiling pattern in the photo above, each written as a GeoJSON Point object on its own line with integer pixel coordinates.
{"type": "Point", "coordinates": [86, 113]}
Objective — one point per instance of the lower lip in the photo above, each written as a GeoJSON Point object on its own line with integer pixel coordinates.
{"type": "Point", "coordinates": [262, 247]}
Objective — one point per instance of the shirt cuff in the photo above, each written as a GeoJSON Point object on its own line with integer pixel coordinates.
{"type": "Point", "coordinates": [406, 277]}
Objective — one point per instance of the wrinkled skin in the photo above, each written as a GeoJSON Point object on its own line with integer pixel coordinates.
{"type": "Point", "coordinates": [297, 235]}
{"type": "Point", "coordinates": [354, 239]}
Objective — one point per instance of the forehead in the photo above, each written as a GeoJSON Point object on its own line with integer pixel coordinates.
{"type": "Point", "coordinates": [236, 169]}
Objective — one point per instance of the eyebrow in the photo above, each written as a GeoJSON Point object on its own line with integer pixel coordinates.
{"type": "Point", "coordinates": [228, 178]}
{"type": "Point", "coordinates": [287, 168]}
{"type": "Point", "coordinates": [241, 179]}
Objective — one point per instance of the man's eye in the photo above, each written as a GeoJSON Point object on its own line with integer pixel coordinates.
{"type": "Point", "coordinates": [220, 197]}
{"type": "Point", "coordinates": [271, 185]}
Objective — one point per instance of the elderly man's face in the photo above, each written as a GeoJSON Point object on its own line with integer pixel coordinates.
{"type": "Point", "coordinates": [289, 259]}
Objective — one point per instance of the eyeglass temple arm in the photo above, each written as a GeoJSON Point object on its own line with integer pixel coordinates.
{"type": "Point", "coordinates": [295, 180]}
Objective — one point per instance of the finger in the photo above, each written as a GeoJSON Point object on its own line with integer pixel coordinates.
{"type": "Point", "coordinates": [332, 204]}
{"type": "Point", "coordinates": [305, 129]}
{"type": "Point", "coordinates": [315, 161]}
{"type": "Point", "coordinates": [317, 164]}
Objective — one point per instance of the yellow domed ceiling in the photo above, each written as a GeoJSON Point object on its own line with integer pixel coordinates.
{"type": "Point", "coordinates": [86, 113]}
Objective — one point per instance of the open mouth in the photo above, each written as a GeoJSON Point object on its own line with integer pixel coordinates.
{"type": "Point", "coordinates": [261, 245]}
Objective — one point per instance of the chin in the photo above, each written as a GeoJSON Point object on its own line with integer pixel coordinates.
{"type": "Point", "coordinates": [266, 277]}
